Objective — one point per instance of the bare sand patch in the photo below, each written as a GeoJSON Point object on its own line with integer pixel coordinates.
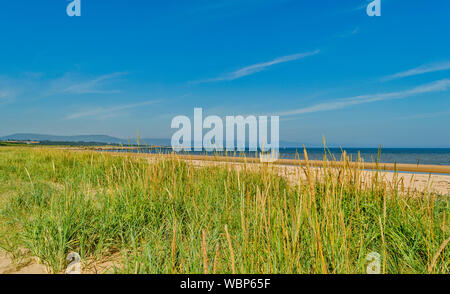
{"type": "Point", "coordinates": [28, 266]}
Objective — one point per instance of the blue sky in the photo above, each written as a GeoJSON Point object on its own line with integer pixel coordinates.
{"type": "Point", "coordinates": [325, 67]}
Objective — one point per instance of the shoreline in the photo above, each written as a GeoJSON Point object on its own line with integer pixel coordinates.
{"type": "Point", "coordinates": [432, 182]}
{"type": "Point", "coordinates": [423, 178]}
{"type": "Point", "coordinates": [393, 167]}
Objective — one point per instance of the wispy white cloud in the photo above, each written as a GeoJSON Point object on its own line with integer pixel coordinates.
{"type": "Point", "coordinates": [10, 89]}
{"type": "Point", "coordinates": [107, 112]}
{"type": "Point", "coordinates": [94, 85]}
{"type": "Point", "coordinates": [437, 86]}
{"type": "Point", "coordinates": [362, 6]}
{"type": "Point", "coordinates": [248, 70]}
{"type": "Point", "coordinates": [31, 86]}
{"type": "Point", "coordinates": [423, 69]}
{"type": "Point", "coordinates": [72, 84]}
{"type": "Point", "coordinates": [4, 94]}
{"type": "Point", "coordinates": [349, 33]}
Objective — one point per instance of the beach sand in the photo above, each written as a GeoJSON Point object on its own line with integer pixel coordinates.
{"type": "Point", "coordinates": [31, 265]}
{"type": "Point", "coordinates": [28, 266]}
{"type": "Point", "coordinates": [436, 183]}
{"type": "Point", "coordinates": [410, 177]}
{"type": "Point", "coordinates": [407, 181]}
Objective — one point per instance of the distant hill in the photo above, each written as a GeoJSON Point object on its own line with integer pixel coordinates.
{"type": "Point", "coordinates": [104, 139]}
{"type": "Point", "coordinates": [83, 138]}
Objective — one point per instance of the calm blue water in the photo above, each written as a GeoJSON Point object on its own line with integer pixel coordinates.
{"type": "Point", "coordinates": [436, 156]}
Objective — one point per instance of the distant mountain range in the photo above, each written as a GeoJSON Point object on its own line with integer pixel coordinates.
{"type": "Point", "coordinates": [111, 140]}
{"type": "Point", "coordinates": [84, 139]}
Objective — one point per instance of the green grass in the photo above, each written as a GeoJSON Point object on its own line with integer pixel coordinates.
{"type": "Point", "coordinates": [171, 217]}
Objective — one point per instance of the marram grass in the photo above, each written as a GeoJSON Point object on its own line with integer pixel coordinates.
{"type": "Point", "coordinates": [171, 217]}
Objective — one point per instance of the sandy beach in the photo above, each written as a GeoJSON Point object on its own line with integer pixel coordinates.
{"type": "Point", "coordinates": [436, 183]}
{"type": "Point", "coordinates": [432, 178]}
